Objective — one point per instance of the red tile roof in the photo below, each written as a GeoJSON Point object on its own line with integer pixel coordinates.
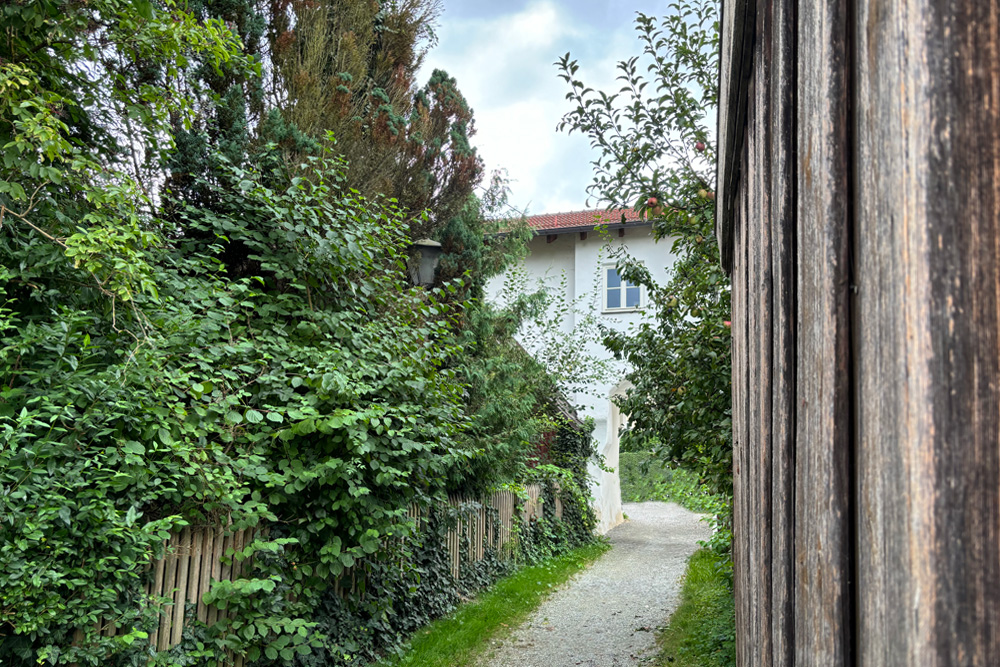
{"type": "Point", "coordinates": [578, 219]}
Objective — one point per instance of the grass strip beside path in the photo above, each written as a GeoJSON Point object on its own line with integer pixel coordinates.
{"type": "Point", "coordinates": [702, 631]}
{"type": "Point", "coordinates": [458, 639]}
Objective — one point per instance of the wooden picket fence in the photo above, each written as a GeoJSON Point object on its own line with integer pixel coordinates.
{"type": "Point", "coordinates": [193, 557]}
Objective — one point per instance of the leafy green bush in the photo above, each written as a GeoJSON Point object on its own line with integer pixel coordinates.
{"type": "Point", "coordinates": [275, 397]}
{"type": "Point", "coordinates": [645, 477]}
{"type": "Point", "coordinates": [642, 476]}
{"type": "Point", "coordinates": [233, 344]}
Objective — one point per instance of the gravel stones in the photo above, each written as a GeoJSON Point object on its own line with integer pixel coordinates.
{"type": "Point", "coordinates": [608, 614]}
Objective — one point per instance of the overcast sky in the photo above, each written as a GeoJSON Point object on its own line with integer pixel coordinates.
{"type": "Point", "coordinates": [502, 52]}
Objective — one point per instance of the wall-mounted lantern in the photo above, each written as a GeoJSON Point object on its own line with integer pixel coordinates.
{"type": "Point", "coordinates": [424, 257]}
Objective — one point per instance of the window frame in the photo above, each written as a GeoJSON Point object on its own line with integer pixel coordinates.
{"type": "Point", "coordinates": [625, 284]}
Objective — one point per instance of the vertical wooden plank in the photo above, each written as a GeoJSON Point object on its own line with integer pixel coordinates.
{"type": "Point", "coordinates": [215, 570]}
{"type": "Point", "coordinates": [884, 288]}
{"type": "Point", "coordinates": [205, 579]}
{"type": "Point", "coordinates": [480, 533]}
{"type": "Point", "coordinates": [226, 573]}
{"type": "Point", "coordinates": [736, 41]}
{"type": "Point", "coordinates": [824, 429]}
{"type": "Point", "coordinates": [194, 573]}
{"type": "Point", "coordinates": [156, 590]}
{"type": "Point", "coordinates": [742, 530]}
{"type": "Point", "coordinates": [169, 580]}
{"type": "Point", "coordinates": [782, 148]}
{"type": "Point", "coordinates": [470, 537]}
{"type": "Point", "coordinates": [928, 247]}
{"type": "Point", "coordinates": [236, 570]}
{"type": "Point", "coordinates": [77, 640]}
{"type": "Point", "coordinates": [501, 520]}
{"type": "Point", "coordinates": [500, 523]}
{"type": "Point", "coordinates": [504, 518]}
{"type": "Point", "coordinates": [759, 322]}
{"type": "Point", "coordinates": [752, 186]}
{"type": "Point", "coordinates": [181, 584]}
{"type": "Point", "coordinates": [454, 547]}
{"type": "Point", "coordinates": [513, 509]}
{"type": "Point", "coordinates": [491, 524]}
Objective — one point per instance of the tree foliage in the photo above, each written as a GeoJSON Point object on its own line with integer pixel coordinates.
{"type": "Point", "coordinates": [350, 68]}
{"type": "Point", "coordinates": [656, 150]}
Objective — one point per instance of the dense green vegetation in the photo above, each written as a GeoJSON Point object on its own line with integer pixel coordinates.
{"type": "Point", "coordinates": [644, 476]}
{"type": "Point", "coordinates": [465, 635]}
{"type": "Point", "coordinates": [206, 318]}
{"type": "Point", "coordinates": [702, 630]}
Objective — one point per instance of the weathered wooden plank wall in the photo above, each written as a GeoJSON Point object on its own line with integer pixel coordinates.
{"type": "Point", "coordinates": [927, 247]}
{"type": "Point", "coordinates": [742, 501]}
{"type": "Point", "coordinates": [823, 495]}
{"type": "Point", "coordinates": [759, 319]}
{"type": "Point", "coordinates": [859, 208]}
{"type": "Point", "coordinates": [781, 221]}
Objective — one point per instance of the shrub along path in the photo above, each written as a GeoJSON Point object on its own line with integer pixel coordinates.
{"type": "Point", "coordinates": [608, 615]}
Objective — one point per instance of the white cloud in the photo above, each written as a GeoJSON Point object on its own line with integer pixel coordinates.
{"type": "Point", "coordinates": [504, 67]}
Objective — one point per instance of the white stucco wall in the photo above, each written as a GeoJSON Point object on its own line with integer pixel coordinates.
{"type": "Point", "coordinates": [581, 262]}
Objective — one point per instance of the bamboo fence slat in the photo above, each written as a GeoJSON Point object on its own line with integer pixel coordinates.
{"type": "Point", "coordinates": [194, 570]}
{"type": "Point", "coordinates": [179, 593]}
{"type": "Point", "coordinates": [169, 575]}
{"type": "Point", "coordinates": [205, 575]}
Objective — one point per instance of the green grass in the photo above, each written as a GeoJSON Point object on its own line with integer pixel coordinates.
{"type": "Point", "coordinates": [460, 638]}
{"type": "Point", "coordinates": [702, 632]}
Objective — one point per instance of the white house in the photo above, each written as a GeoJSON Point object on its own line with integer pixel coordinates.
{"type": "Point", "coordinates": [567, 253]}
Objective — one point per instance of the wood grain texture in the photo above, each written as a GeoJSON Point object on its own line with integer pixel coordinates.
{"type": "Point", "coordinates": [866, 310]}
{"type": "Point", "coordinates": [824, 430]}
{"type": "Point", "coordinates": [763, 354]}
{"type": "Point", "coordinates": [205, 571]}
{"type": "Point", "coordinates": [928, 209]}
{"type": "Point", "coordinates": [742, 512]}
{"type": "Point", "coordinates": [179, 594]}
{"type": "Point", "coordinates": [783, 307]}
{"type": "Point", "coordinates": [760, 323]}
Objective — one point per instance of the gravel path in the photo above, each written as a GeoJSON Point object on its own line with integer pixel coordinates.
{"type": "Point", "coordinates": [607, 615]}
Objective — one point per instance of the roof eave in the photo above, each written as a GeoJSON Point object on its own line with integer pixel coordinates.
{"type": "Point", "coordinates": [589, 228]}
{"type": "Point", "coordinates": [735, 68]}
